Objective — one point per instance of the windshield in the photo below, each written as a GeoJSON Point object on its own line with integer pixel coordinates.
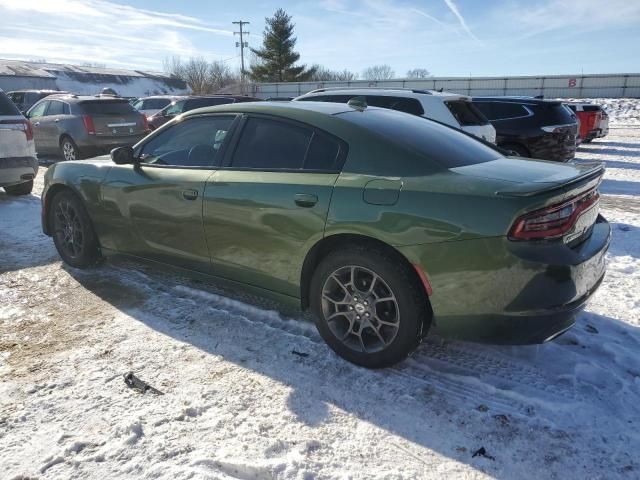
{"type": "Point", "coordinates": [447, 146]}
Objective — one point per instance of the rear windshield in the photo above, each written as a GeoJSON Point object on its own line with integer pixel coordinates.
{"type": "Point", "coordinates": [466, 113]}
{"type": "Point", "coordinates": [7, 107]}
{"type": "Point", "coordinates": [552, 113]}
{"type": "Point", "coordinates": [107, 107]}
{"type": "Point", "coordinates": [448, 147]}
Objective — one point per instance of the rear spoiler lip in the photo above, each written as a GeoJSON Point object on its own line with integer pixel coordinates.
{"type": "Point", "coordinates": [596, 171]}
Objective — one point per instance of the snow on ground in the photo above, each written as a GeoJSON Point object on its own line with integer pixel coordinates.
{"type": "Point", "coordinates": [250, 393]}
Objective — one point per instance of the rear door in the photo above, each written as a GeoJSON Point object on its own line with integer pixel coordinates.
{"type": "Point", "coordinates": [154, 209]}
{"type": "Point", "coordinates": [50, 123]}
{"type": "Point", "coordinates": [113, 118]}
{"type": "Point", "coordinates": [268, 205]}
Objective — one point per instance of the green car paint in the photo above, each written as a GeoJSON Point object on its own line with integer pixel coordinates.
{"type": "Point", "coordinates": [259, 229]}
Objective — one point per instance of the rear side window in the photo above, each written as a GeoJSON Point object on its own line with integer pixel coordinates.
{"type": "Point", "coordinates": [205, 102]}
{"type": "Point", "coordinates": [108, 107]}
{"type": "Point", "coordinates": [466, 113]}
{"type": "Point", "coordinates": [325, 153]}
{"type": "Point", "coordinates": [502, 110]}
{"type": "Point", "coordinates": [268, 144]}
{"type": "Point", "coordinates": [444, 145]}
{"type": "Point", "coordinates": [591, 108]}
{"type": "Point", "coordinates": [402, 104]}
{"type": "Point", "coordinates": [58, 108]}
{"type": "Point", "coordinates": [7, 107]}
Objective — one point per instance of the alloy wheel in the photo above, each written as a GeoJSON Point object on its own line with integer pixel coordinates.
{"type": "Point", "coordinates": [69, 229]}
{"type": "Point", "coordinates": [360, 308]}
{"type": "Point", "coordinates": [68, 150]}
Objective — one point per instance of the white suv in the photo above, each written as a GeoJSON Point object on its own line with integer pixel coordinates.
{"type": "Point", "coordinates": [448, 108]}
{"type": "Point", "coordinates": [18, 161]}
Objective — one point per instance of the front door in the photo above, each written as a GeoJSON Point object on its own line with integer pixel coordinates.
{"type": "Point", "coordinates": [265, 209]}
{"type": "Point", "coordinates": [154, 209]}
{"type": "Point", "coordinates": [36, 116]}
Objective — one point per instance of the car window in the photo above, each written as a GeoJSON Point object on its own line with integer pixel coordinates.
{"type": "Point", "coordinates": [57, 108]}
{"type": "Point", "coordinates": [270, 144]}
{"type": "Point", "coordinates": [107, 107]}
{"type": "Point", "coordinates": [16, 97]}
{"type": "Point", "coordinates": [502, 110]}
{"type": "Point", "coordinates": [38, 109]}
{"type": "Point", "coordinates": [7, 107]}
{"type": "Point", "coordinates": [466, 113]}
{"type": "Point", "coordinates": [175, 108]}
{"type": "Point", "coordinates": [193, 142]}
{"type": "Point", "coordinates": [194, 103]}
{"type": "Point", "coordinates": [138, 104]}
{"type": "Point", "coordinates": [444, 145]}
{"type": "Point", "coordinates": [402, 104]}
{"type": "Point", "coordinates": [325, 153]}
{"type": "Point", "coordinates": [155, 103]}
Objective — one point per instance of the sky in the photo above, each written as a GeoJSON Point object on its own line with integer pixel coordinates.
{"type": "Point", "coordinates": [447, 37]}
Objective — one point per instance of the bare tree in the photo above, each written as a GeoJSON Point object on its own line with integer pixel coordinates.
{"type": "Point", "coordinates": [201, 75]}
{"type": "Point", "coordinates": [378, 72]}
{"type": "Point", "coordinates": [324, 74]}
{"type": "Point", "coordinates": [415, 73]}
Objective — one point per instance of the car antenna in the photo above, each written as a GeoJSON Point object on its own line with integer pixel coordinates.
{"type": "Point", "coordinates": [358, 103]}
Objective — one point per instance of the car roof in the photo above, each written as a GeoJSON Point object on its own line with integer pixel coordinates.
{"type": "Point", "coordinates": [284, 108]}
{"type": "Point", "coordinates": [386, 92]}
{"type": "Point", "coordinates": [32, 90]}
{"type": "Point", "coordinates": [516, 99]}
{"type": "Point", "coordinates": [71, 98]}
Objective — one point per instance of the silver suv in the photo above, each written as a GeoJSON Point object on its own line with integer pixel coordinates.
{"type": "Point", "coordinates": [18, 162]}
{"type": "Point", "coordinates": [78, 126]}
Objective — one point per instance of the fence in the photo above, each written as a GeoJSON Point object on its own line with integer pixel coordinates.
{"type": "Point", "coordinates": [623, 85]}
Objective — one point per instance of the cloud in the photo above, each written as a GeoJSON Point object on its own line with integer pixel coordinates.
{"type": "Point", "coordinates": [100, 31]}
{"type": "Point", "coordinates": [454, 9]}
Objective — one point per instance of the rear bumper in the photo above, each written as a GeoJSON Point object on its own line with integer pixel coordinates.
{"type": "Point", "coordinates": [16, 170]}
{"type": "Point", "coordinates": [105, 144]}
{"type": "Point", "coordinates": [498, 291]}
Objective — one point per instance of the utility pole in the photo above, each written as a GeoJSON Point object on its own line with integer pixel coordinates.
{"type": "Point", "coordinates": [242, 44]}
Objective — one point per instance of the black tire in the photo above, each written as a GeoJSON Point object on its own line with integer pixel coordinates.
{"type": "Point", "coordinates": [20, 189]}
{"type": "Point", "coordinates": [518, 149]}
{"type": "Point", "coordinates": [72, 230]}
{"type": "Point", "coordinates": [68, 149]}
{"type": "Point", "coordinates": [410, 304]}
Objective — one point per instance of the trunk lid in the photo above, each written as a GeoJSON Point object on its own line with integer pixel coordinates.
{"type": "Point", "coordinates": [113, 118]}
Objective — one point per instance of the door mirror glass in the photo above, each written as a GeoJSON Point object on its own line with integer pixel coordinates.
{"type": "Point", "coordinates": [122, 155]}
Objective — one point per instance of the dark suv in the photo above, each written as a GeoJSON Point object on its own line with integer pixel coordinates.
{"type": "Point", "coordinates": [25, 99]}
{"type": "Point", "coordinates": [532, 127]}
{"type": "Point", "coordinates": [185, 104]}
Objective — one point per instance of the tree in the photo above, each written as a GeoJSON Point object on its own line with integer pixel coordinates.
{"type": "Point", "coordinates": [324, 74]}
{"type": "Point", "coordinates": [276, 58]}
{"type": "Point", "coordinates": [202, 76]}
{"type": "Point", "coordinates": [378, 72]}
{"type": "Point", "coordinates": [418, 73]}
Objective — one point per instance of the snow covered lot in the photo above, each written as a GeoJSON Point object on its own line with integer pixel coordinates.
{"type": "Point", "coordinates": [253, 394]}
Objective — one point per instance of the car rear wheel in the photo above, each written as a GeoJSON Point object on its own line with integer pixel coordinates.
{"type": "Point", "coordinates": [73, 233]}
{"type": "Point", "coordinates": [368, 306]}
{"type": "Point", "coordinates": [20, 189]}
{"type": "Point", "coordinates": [68, 149]}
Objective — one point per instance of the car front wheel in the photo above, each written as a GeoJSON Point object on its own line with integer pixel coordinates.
{"type": "Point", "coordinates": [368, 306]}
{"type": "Point", "coordinates": [73, 233]}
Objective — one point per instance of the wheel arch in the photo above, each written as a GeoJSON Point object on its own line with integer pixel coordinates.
{"type": "Point", "coordinates": [328, 244]}
{"type": "Point", "coordinates": [52, 191]}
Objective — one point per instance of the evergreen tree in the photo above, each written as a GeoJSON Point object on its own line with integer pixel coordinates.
{"type": "Point", "coordinates": [276, 59]}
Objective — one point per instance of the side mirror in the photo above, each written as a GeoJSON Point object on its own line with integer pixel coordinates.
{"type": "Point", "coordinates": [122, 155]}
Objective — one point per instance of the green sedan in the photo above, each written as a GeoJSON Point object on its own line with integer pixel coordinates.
{"type": "Point", "coordinates": [385, 225]}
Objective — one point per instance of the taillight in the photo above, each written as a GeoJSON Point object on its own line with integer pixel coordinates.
{"type": "Point", "coordinates": [145, 123]}
{"type": "Point", "coordinates": [88, 124]}
{"type": "Point", "coordinates": [554, 221]}
{"type": "Point", "coordinates": [28, 130]}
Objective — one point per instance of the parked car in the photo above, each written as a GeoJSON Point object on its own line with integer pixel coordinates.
{"type": "Point", "coordinates": [25, 99]}
{"type": "Point", "coordinates": [152, 105]}
{"type": "Point", "coordinates": [591, 117]}
{"type": "Point", "coordinates": [75, 126]}
{"type": "Point", "coordinates": [279, 99]}
{"type": "Point", "coordinates": [182, 105]}
{"type": "Point", "coordinates": [18, 162]}
{"type": "Point", "coordinates": [384, 224]}
{"type": "Point", "coordinates": [532, 127]}
{"type": "Point", "coordinates": [449, 108]}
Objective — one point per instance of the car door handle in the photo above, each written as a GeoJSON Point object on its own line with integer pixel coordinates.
{"type": "Point", "coordinates": [190, 194]}
{"type": "Point", "coordinates": [306, 200]}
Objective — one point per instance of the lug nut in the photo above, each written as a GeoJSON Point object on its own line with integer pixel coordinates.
{"type": "Point", "coordinates": [350, 307]}
{"type": "Point", "coordinates": [357, 317]}
{"type": "Point", "coordinates": [366, 303]}
{"type": "Point", "coordinates": [367, 315]}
